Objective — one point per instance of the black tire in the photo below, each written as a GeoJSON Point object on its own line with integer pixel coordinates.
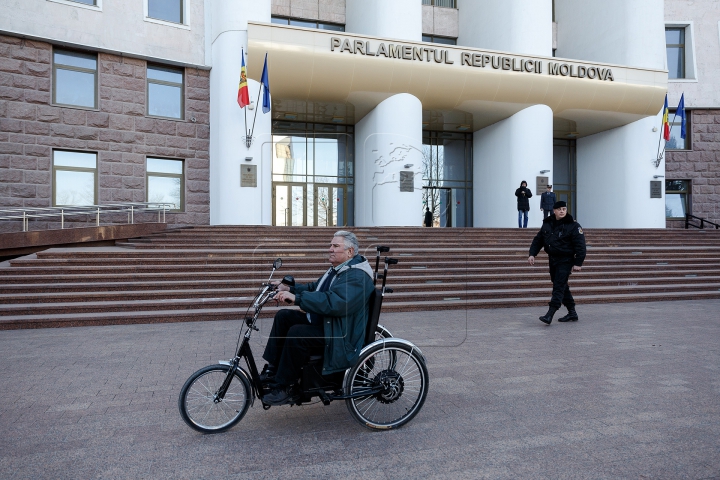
{"type": "Point", "coordinates": [400, 368]}
{"type": "Point", "coordinates": [382, 332]}
{"type": "Point", "coordinates": [197, 399]}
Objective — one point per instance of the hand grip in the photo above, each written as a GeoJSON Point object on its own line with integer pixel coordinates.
{"type": "Point", "coordinates": [288, 280]}
{"type": "Point", "coordinates": [391, 261]}
{"type": "Point", "coordinates": [382, 249]}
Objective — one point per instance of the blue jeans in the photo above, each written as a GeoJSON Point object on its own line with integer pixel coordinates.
{"type": "Point", "coordinates": [521, 223]}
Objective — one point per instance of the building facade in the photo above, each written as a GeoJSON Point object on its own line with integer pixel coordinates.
{"type": "Point", "coordinates": [379, 110]}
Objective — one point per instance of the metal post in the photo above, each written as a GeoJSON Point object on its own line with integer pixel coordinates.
{"type": "Point", "coordinates": [24, 222]}
{"type": "Point", "coordinates": [164, 213]}
{"type": "Point", "coordinates": [62, 218]}
{"type": "Point", "coordinates": [132, 216]}
{"type": "Point", "coordinates": [97, 217]}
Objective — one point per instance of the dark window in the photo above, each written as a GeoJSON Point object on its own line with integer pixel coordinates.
{"type": "Point", "coordinates": [676, 142]}
{"type": "Point", "coordinates": [74, 178]}
{"type": "Point", "coordinates": [677, 198]}
{"type": "Point", "coordinates": [74, 78]}
{"type": "Point", "coordinates": [165, 92]}
{"type": "Point", "coordinates": [168, 10]}
{"type": "Point", "coordinates": [441, 3]}
{"type": "Point", "coordinates": [166, 182]}
{"type": "Point", "coordinates": [437, 39]}
{"type": "Point", "coordinates": [675, 47]}
{"type": "Point", "coordinates": [86, 2]}
{"type": "Point", "coordinates": [298, 22]}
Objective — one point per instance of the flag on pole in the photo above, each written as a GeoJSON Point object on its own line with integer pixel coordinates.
{"type": "Point", "coordinates": [243, 97]}
{"type": "Point", "coordinates": [666, 123]}
{"type": "Point", "coordinates": [680, 112]}
{"type": "Point", "coordinates": [266, 87]}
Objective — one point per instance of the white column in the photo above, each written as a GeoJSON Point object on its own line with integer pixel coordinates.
{"type": "Point", "coordinates": [515, 26]}
{"type": "Point", "coordinates": [614, 168]}
{"type": "Point", "coordinates": [504, 154]}
{"type": "Point", "coordinates": [388, 140]}
{"type": "Point", "coordinates": [400, 19]}
{"type": "Point", "coordinates": [231, 204]}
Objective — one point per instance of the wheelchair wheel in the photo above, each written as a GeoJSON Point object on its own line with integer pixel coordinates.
{"type": "Point", "coordinates": [382, 332]}
{"type": "Point", "coordinates": [199, 406]}
{"type": "Point", "coordinates": [398, 369]}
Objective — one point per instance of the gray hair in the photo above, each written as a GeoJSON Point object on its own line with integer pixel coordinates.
{"type": "Point", "coordinates": [350, 240]}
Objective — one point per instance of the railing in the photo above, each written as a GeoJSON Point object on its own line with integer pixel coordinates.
{"type": "Point", "coordinates": [26, 214]}
{"type": "Point", "coordinates": [441, 3]}
{"type": "Point", "coordinates": [702, 222]}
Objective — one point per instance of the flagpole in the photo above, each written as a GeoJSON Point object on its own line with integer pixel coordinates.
{"type": "Point", "coordinates": [256, 109]}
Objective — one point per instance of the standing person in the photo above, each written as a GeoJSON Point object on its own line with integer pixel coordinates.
{"type": "Point", "coordinates": [428, 218]}
{"type": "Point", "coordinates": [547, 200]}
{"type": "Point", "coordinates": [523, 195]}
{"type": "Point", "coordinates": [563, 240]}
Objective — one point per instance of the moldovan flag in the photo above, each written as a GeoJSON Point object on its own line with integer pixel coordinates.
{"type": "Point", "coordinates": [243, 97]}
{"type": "Point", "coordinates": [666, 123]}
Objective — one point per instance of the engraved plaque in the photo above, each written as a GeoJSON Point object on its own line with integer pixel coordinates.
{"type": "Point", "coordinates": [248, 175]}
{"type": "Point", "coordinates": [655, 189]}
{"type": "Point", "coordinates": [540, 184]}
{"type": "Point", "coordinates": [407, 181]}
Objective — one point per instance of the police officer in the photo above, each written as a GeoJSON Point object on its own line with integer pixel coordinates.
{"type": "Point", "coordinates": [563, 240]}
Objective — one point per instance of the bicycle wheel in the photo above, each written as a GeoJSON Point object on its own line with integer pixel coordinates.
{"type": "Point", "coordinates": [382, 332]}
{"type": "Point", "coordinates": [398, 369]}
{"type": "Point", "coordinates": [200, 407]}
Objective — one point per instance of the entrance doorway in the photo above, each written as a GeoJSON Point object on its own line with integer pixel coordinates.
{"type": "Point", "coordinates": [302, 204]}
{"type": "Point", "coordinates": [440, 202]}
{"type": "Point", "coordinates": [564, 173]}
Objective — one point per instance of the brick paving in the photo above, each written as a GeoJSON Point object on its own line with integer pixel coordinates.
{"type": "Point", "coordinates": [630, 391]}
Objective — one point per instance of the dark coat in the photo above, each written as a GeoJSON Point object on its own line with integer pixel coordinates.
{"type": "Point", "coordinates": [523, 202]}
{"type": "Point", "coordinates": [561, 239]}
{"type": "Point", "coordinates": [428, 222]}
{"type": "Point", "coordinates": [547, 200]}
{"type": "Point", "coordinates": [344, 308]}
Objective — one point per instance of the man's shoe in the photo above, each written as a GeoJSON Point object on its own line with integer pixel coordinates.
{"type": "Point", "coordinates": [571, 316]}
{"type": "Point", "coordinates": [279, 396]}
{"type": "Point", "coordinates": [547, 318]}
{"type": "Point", "coordinates": [268, 373]}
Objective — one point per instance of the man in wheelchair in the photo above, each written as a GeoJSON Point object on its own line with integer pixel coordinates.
{"type": "Point", "coordinates": [331, 322]}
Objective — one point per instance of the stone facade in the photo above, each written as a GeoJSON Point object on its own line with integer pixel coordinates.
{"type": "Point", "coordinates": [118, 131]}
{"type": "Point", "coordinates": [700, 165]}
{"type": "Point", "coordinates": [332, 11]}
{"type": "Point", "coordinates": [440, 21]}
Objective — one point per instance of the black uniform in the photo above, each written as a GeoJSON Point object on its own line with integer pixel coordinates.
{"type": "Point", "coordinates": [564, 242]}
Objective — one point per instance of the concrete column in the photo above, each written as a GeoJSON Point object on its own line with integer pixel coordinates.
{"type": "Point", "coordinates": [504, 154]}
{"type": "Point", "coordinates": [387, 141]}
{"type": "Point", "coordinates": [231, 204]}
{"type": "Point", "coordinates": [516, 26]}
{"type": "Point", "coordinates": [614, 168]}
{"type": "Point", "coordinates": [400, 19]}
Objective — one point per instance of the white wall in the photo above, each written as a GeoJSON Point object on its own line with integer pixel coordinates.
{"type": "Point", "coordinates": [231, 204]}
{"type": "Point", "coordinates": [115, 27]}
{"type": "Point", "coordinates": [614, 171]}
{"type": "Point", "coordinates": [387, 139]}
{"type": "Point", "coordinates": [517, 26]}
{"type": "Point", "coordinates": [504, 154]}
{"type": "Point", "coordinates": [401, 19]}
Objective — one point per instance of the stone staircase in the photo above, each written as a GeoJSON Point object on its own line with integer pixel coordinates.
{"type": "Point", "coordinates": [212, 273]}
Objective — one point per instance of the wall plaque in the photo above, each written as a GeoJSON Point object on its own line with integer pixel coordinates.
{"type": "Point", "coordinates": [248, 175]}
{"type": "Point", "coordinates": [655, 189]}
{"type": "Point", "coordinates": [407, 181]}
{"type": "Point", "coordinates": [540, 184]}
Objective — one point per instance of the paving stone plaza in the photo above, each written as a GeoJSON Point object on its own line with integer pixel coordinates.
{"type": "Point", "coordinates": [630, 391]}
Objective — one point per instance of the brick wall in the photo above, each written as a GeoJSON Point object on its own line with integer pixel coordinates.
{"type": "Point", "coordinates": [31, 127]}
{"type": "Point", "coordinates": [701, 166]}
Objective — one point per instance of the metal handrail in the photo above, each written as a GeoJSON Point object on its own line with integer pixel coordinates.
{"type": "Point", "coordinates": [702, 222]}
{"type": "Point", "coordinates": [25, 214]}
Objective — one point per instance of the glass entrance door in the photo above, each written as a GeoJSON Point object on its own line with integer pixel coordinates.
{"type": "Point", "coordinates": [289, 201]}
{"type": "Point", "coordinates": [329, 205]}
{"type": "Point", "coordinates": [440, 202]}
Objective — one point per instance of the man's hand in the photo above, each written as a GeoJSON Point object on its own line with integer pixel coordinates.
{"type": "Point", "coordinates": [280, 286]}
{"type": "Point", "coordinates": [576, 268]}
{"type": "Point", "coordinates": [531, 260]}
{"type": "Point", "coordinates": [286, 297]}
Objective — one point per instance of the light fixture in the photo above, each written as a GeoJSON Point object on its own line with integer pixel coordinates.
{"type": "Point", "coordinates": [337, 119]}
{"type": "Point", "coordinates": [658, 176]}
{"type": "Point", "coordinates": [251, 106]}
{"type": "Point", "coordinates": [408, 165]}
{"type": "Point", "coordinates": [654, 129]}
{"type": "Point", "coordinates": [544, 171]}
{"type": "Point", "coordinates": [463, 128]}
{"type": "Point", "coordinates": [248, 159]}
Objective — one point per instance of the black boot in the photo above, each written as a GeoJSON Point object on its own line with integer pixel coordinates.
{"type": "Point", "coordinates": [571, 316]}
{"type": "Point", "coordinates": [547, 318]}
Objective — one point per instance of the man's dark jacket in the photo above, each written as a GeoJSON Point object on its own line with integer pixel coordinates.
{"type": "Point", "coordinates": [562, 238]}
{"type": "Point", "coordinates": [547, 200]}
{"type": "Point", "coordinates": [344, 308]}
{"type": "Point", "coordinates": [523, 202]}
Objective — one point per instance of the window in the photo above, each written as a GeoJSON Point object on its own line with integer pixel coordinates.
{"type": "Point", "coordinates": [86, 2]}
{"type": "Point", "coordinates": [307, 23]}
{"type": "Point", "coordinates": [166, 182]}
{"type": "Point", "coordinates": [436, 39]}
{"type": "Point", "coordinates": [74, 178]}
{"type": "Point", "coordinates": [74, 79]}
{"type": "Point", "coordinates": [675, 46]}
{"type": "Point", "coordinates": [676, 142]}
{"type": "Point", "coordinates": [677, 194]}
{"type": "Point", "coordinates": [441, 3]}
{"type": "Point", "coordinates": [166, 10]}
{"type": "Point", "coordinates": [165, 92]}
{"type": "Point", "coordinates": [89, 4]}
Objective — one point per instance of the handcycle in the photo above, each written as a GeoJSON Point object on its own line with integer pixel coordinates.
{"type": "Point", "coordinates": [385, 388]}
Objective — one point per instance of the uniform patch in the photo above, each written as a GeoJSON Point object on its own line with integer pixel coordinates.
{"type": "Point", "coordinates": [580, 231]}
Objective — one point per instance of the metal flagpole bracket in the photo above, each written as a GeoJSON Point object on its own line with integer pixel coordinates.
{"type": "Point", "coordinates": [658, 160]}
{"type": "Point", "coordinates": [249, 140]}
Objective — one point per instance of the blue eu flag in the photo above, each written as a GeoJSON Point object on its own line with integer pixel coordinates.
{"type": "Point", "coordinates": [680, 112]}
{"type": "Point", "coordinates": [266, 89]}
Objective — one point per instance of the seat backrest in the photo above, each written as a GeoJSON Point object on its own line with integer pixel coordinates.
{"type": "Point", "coordinates": [374, 306]}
